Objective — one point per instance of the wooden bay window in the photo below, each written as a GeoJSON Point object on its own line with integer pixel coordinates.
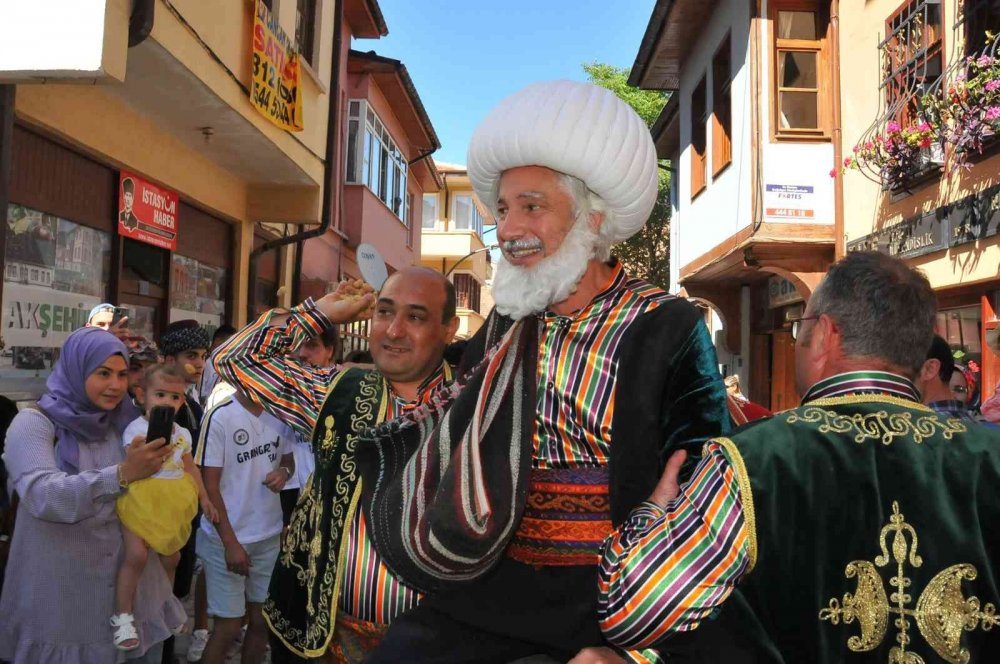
{"type": "Point", "coordinates": [801, 73]}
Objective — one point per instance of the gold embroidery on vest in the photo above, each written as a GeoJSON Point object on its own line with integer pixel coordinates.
{"type": "Point", "coordinates": [305, 536]}
{"type": "Point", "coordinates": [942, 613]}
{"type": "Point", "coordinates": [881, 426]}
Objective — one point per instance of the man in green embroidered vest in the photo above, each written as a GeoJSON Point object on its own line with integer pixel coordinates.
{"type": "Point", "coordinates": [329, 592]}
{"type": "Point", "coordinates": [859, 527]}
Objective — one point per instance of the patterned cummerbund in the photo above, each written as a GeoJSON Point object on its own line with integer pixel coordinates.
{"type": "Point", "coordinates": [566, 518]}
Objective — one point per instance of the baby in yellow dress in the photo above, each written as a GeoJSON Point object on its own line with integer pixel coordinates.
{"type": "Point", "coordinates": [156, 512]}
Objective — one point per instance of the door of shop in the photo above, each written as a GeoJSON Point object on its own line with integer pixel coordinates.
{"type": "Point", "coordinates": [783, 392]}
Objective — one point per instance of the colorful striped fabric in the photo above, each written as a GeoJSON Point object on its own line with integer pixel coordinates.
{"type": "Point", "coordinates": [862, 382]}
{"type": "Point", "coordinates": [369, 591]}
{"type": "Point", "coordinates": [666, 571]}
{"type": "Point", "coordinates": [577, 369]}
{"type": "Point", "coordinates": [257, 358]}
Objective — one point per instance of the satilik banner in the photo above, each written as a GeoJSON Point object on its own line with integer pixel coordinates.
{"type": "Point", "coordinates": [147, 213]}
{"type": "Point", "coordinates": [275, 91]}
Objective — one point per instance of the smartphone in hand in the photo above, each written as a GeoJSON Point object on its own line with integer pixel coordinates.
{"type": "Point", "coordinates": [161, 423]}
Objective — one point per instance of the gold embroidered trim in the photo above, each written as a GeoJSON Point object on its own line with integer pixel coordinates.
{"type": "Point", "coordinates": [942, 613]}
{"type": "Point", "coordinates": [746, 496]}
{"type": "Point", "coordinates": [870, 398]}
{"type": "Point", "coordinates": [304, 531]}
{"type": "Point", "coordinates": [880, 426]}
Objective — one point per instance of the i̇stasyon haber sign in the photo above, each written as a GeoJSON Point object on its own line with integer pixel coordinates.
{"type": "Point", "coordinates": [275, 91]}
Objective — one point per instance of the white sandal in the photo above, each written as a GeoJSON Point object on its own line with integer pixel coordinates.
{"type": "Point", "coordinates": [124, 624]}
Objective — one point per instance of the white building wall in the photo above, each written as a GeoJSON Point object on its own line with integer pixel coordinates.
{"type": "Point", "coordinates": [724, 207]}
{"type": "Point", "coordinates": [800, 167]}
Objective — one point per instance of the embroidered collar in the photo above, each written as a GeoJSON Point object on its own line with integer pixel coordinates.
{"type": "Point", "coordinates": [863, 382]}
{"type": "Point", "coordinates": [424, 390]}
{"type": "Point", "coordinates": [602, 301]}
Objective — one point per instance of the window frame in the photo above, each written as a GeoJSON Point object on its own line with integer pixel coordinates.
{"type": "Point", "coordinates": [310, 49]}
{"type": "Point", "coordinates": [423, 210]}
{"type": "Point", "coordinates": [384, 169]}
{"type": "Point", "coordinates": [824, 76]}
{"type": "Point", "coordinates": [699, 129]}
{"type": "Point", "coordinates": [476, 220]}
{"type": "Point", "coordinates": [722, 124]}
{"type": "Point", "coordinates": [897, 78]}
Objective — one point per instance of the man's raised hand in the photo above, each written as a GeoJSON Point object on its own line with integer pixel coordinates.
{"type": "Point", "coordinates": [353, 300]}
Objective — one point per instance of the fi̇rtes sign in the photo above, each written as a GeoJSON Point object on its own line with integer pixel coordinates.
{"type": "Point", "coordinates": [146, 212]}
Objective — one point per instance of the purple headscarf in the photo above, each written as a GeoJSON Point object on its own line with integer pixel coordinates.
{"type": "Point", "coordinates": [77, 419]}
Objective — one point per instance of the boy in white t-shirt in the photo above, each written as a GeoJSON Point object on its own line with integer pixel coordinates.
{"type": "Point", "coordinates": [246, 461]}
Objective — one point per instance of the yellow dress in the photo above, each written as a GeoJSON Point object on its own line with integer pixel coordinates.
{"type": "Point", "coordinates": [159, 509]}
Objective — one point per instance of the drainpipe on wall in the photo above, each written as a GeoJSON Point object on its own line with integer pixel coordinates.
{"type": "Point", "coordinates": [331, 178]}
{"type": "Point", "coordinates": [838, 143]}
{"type": "Point", "coordinates": [140, 21]}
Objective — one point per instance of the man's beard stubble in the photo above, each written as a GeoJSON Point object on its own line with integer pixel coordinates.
{"type": "Point", "coordinates": [522, 291]}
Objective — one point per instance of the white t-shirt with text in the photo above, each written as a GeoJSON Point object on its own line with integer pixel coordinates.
{"type": "Point", "coordinates": [247, 448]}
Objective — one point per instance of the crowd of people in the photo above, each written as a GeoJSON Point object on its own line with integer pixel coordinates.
{"type": "Point", "coordinates": [576, 483]}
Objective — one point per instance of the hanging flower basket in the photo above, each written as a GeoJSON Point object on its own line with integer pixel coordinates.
{"type": "Point", "coordinates": [901, 156]}
{"type": "Point", "coordinates": [968, 111]}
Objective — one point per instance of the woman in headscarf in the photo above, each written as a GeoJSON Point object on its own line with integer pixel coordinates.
{"type": "Point", "coordinates": [67, 463]}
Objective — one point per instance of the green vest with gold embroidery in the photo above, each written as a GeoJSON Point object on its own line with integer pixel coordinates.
{"type": "Point", "coordinates": [875, 528]}
{"type": "Point", "coordinates": [302, 598]}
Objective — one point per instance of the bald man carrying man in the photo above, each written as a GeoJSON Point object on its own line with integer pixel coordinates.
{"type": "Point", "coordinates": [330, 594]}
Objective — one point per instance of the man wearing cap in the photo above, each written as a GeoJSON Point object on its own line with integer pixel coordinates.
{"type": "Point", "coordinates": [495, 498]}
{"type": "Point", "coordinates": [858, 527]}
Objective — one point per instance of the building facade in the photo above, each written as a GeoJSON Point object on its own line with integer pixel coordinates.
{"type": "Point", "coordinates": [750, 133]}
{"type": "Point", "coordinates": [453, 225]}
{"type": "Point", "coordinates": [940, 209]}
{"type": "Point", "coordinates": [169, 107]}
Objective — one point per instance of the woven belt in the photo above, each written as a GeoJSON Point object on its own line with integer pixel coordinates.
{"type": "Point", "coordinates": [566, 519]}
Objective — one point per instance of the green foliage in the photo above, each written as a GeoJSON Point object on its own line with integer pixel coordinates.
{"type": "Point", "coordinates": [647, 253]}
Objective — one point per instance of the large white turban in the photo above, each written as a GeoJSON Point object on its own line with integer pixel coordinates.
{"type": "Point", "coordinates": [575, 128]}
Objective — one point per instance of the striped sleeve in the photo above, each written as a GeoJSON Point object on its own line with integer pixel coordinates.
{"type": "Point", "coordinates": [666, 571]}
{"type": "Point", "coordinates": [257, 360]}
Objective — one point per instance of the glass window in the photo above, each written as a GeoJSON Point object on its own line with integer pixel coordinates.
{"type": "Point", "coordinates": [799, 46]}
{"type": "Point", "coordinates": [352, 153]}
{"type": "Point", "coordinates": [55, 271]}
{"type": "Point", "coordinates": [464, 212]}
{"type": "Point", "coordinates": [197, 291]}
{"type": "Point", "coordinates": [699, 139]}
{"type": "Point", "coordinates": [430, 213]}
{"type": "Point", "coordinates": [383, 165]}
{"type": "Point", "coordinates": [796, 25]}
{"type": "Point", "coordinates": [722, 122]}
{"type": "Point", "coordinates": [912, 57]}
{"type": "Point", "coordinates": [305, 28]}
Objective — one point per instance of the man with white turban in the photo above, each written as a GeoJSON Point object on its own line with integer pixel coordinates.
{"type": "Point", "coordinates": [495, 498]}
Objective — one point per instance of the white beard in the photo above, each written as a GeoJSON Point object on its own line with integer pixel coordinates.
{"type": "Point", "coordinates": [522, 291]}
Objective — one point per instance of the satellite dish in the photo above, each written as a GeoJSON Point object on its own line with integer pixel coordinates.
{"type": "Point", "coordinates": [372, 266]}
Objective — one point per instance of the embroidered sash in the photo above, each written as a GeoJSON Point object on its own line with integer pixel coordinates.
{"type": "Point", "coordinates": [302, 599]}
